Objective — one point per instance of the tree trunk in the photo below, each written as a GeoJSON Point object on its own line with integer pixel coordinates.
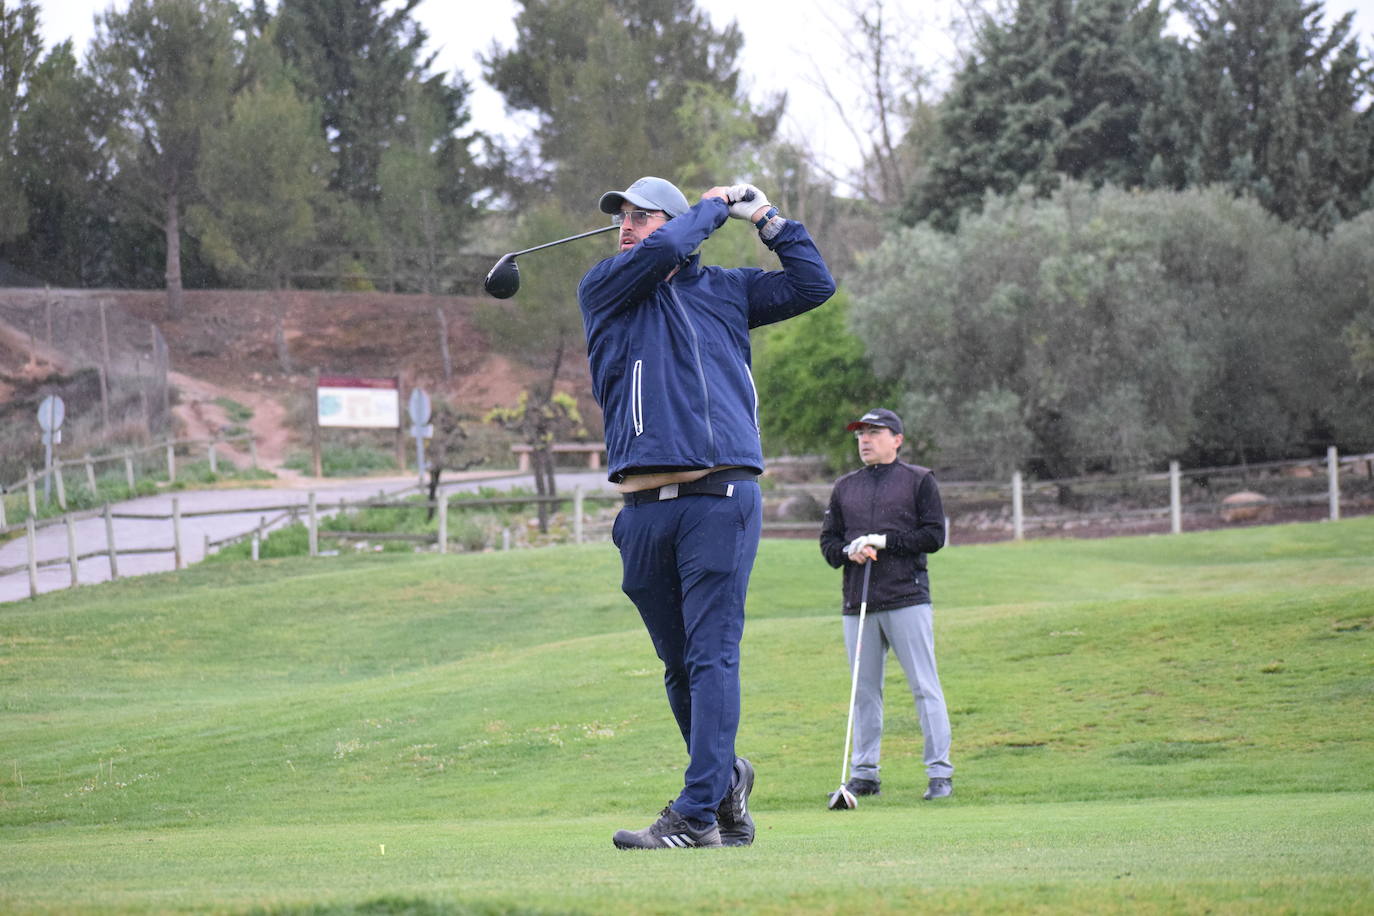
{"type": "Point", "coordinates": [175, 299]}
{"type": "Point", "coordinates": [543, 481]}
{"type": "Point", "coordinates": [283, 348]}
{"type": "Point", "coordinates": [443, 342]}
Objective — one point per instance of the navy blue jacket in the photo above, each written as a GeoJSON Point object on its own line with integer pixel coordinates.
{"type": "Point", "coordinates": [670, 358]}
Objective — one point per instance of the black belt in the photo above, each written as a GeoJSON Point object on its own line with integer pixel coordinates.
{"type": "Point", "coordinates": [716, 483]}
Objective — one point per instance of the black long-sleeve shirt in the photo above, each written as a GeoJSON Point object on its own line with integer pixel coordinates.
{"type": "Point", "coordinates": [901, 501]}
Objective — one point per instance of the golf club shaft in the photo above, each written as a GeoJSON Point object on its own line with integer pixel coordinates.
{"type": "Point", "coordinates": [571, 238]}
{"type": "Point", "coordinates": [854, 679]}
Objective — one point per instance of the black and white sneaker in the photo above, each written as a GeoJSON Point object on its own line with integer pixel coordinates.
{"type": "Point", "coordinates": [857, 785]}
{"type": "Point", "coordinates": [939, 787]}
{"type": "Point", "coordinates": [670, 831]}
{"type": "Point", "coordinates": [736, 825]}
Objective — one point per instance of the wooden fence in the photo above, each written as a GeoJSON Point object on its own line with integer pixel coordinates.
{"type": "Point", "coordinates": [312, 511]}
{"type": "Point", "coordinates": [56, 479]}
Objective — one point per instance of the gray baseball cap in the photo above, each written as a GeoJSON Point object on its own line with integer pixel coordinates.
{"type": "Point", "coordinates": [650, 193]}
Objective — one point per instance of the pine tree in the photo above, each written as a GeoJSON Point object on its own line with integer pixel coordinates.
{"type": "Point", "coordinates": [1272, 107]}
{"type": "Point", "coordinates": [618, 88]}
{"type": "Point", "coordinates": [1059, 89]}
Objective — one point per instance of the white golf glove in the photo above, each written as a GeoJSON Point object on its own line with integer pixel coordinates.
{"type": "Point", "coordinates": [745, 201]}
{"type": "Point", "coordinates": [876, 541]}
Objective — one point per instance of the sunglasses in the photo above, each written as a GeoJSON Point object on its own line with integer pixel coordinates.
{"type": "Point", "coordinates": [635, 217]}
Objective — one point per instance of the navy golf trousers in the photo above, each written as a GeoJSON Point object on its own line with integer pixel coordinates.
{"type": "Point", "coordinates": [686, 568]}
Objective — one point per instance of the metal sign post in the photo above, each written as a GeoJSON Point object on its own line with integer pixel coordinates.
{"type": "Point", "coordinates": [51, 412]}
{"type": "Point", "coordinates": [419, 408]}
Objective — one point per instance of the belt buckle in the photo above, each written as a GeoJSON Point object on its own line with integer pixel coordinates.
{"type": "Point", "coordinates": [667, 491]}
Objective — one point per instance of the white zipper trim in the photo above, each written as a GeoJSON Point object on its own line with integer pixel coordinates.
{"type": "Point", "coordinates": [755, 390]}
{"type": "Point", "coordinates": [637, 397]}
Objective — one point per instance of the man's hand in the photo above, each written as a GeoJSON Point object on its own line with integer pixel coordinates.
{"type": "Point", "coordinates": [865, 548]}
{"type": "Point", "coordinates": [747, 202]}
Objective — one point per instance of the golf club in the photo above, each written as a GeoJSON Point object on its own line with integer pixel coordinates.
{"type": "Point", "coordinates": [503, 280]}
{"type": "Point", "coordinates": [842, 799]}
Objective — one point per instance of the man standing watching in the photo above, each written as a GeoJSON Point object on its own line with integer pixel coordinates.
{"type": "Point", "coordinates": [668, 346]}
{"type": "Point", "coordinates": [888, 513]}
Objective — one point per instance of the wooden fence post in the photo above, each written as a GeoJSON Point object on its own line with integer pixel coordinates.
{"type": "Point", "coordinates": [214, 466]}
{"type": "Point", "coordinates": [3, 523]}
{"type": "Point", "coordinates": [1017, 509]}
{"type": "Point", "coordinates": [171, 463]}
{"type": "Point", "coordinates": [33, 494]}
{"type": "Point", "coordinates": [33, 557]}
{"type": "Point", "coordinates": [129, 472]}
{"type": "Point", "coordinates": [313, 527]}
{"type": "Point", "coordinates": [90, 474]}
{"type": "Point", "coordinates": [443, 520]}
{"type": "Point", "coordinates": [110, 543]}
{"type": "Point", "coordinates": [176, 532]}
{"type": "Point", "coordinates": [73, 562]}
{"type": "Point", "coordinates": [1175, 499]}
{"type": "Point", "coordinates": [1333, 482]}
{"type": "Point", "coordinates": [253, 451]}
{"type": "Point", "coordinates": [577, 514]}
{"type": "Point", "coordinates": [61, 484]}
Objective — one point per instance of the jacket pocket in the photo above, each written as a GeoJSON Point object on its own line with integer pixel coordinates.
{"type": "Point", "coordinates": [637, 397]}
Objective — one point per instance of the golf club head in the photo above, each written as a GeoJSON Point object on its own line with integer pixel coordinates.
{"type": "Point", "coordinates": [503, 280]}
{"type": "Point", "coordinates": [842, 800]}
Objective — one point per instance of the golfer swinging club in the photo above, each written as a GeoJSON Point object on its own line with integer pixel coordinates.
{"type": "Point", "coordinates": [668, 344]}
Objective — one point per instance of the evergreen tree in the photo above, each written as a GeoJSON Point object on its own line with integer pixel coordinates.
{"type": "Point", "coordinates": [387, 120]}
{"type": "Point", "coordinates": [262, 177]}
{"type": "Point", "coordinates": [624, 88]}
{"type": "Point", "coordinates": [1058, 89]}
{"type": "Point", "coordinates": [61, 159]}
{"type": "Point", "coordinates": [1272, 107]}
{"type": "Point", "coordinates": [170, 67]}
{"type": "Point", "coordinates": [20, 47]}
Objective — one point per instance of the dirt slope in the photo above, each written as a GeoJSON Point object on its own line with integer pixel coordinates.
{"type": "Point", "coordinates": [227, 345]}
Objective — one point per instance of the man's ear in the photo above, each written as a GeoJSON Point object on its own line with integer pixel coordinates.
{"type": "Point", "coordinates": [897, 437]}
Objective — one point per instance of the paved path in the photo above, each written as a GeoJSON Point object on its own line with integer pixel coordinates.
{"type": "Point", "coordinates": [236, 512]}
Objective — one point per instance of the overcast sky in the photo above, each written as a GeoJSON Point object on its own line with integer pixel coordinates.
{"type": "Point", "coordinates": [788, 44]}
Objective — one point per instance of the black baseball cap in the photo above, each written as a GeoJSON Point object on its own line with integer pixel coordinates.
{"type": "Point", "coordinates": [878, 416]}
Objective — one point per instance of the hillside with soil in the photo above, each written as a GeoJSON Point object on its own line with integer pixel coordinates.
{"type": "Point", "coordinates": [262, 349]}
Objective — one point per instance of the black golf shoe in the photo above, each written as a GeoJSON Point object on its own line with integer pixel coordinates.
{"type": "Point", "coordinates": [859, 786]}
{"type": "Point", "coordinates": [939, 787]}
{"type": "Point", "coordinates": [670, 831]}
{"type": "Point", "coordinates": [736, 826]}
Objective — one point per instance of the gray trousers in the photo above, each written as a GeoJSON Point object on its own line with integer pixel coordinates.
{"type": "Point", "coordinates": [910, 633]}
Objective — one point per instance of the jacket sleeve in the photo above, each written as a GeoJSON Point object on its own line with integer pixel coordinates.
{"type": "Point", "coordinates": [929, 534]}
{"type": "Point", "coordinates": [803, 283]}
{"type": "Point", "coordinates": [832, 532]}
{"type": "Point", "coordinates": [624, 280]}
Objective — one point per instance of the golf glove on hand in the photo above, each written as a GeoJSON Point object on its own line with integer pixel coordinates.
{"type": "Point", "coordinates": [876, 541]}
{"type": "Point", "coordinates": [745, 209]}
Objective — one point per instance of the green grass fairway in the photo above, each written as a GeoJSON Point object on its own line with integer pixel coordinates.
{"type": "Point", "coordinates": [1141, 725]}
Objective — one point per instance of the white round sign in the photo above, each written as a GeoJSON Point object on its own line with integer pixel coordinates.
{"type": "Point", "coordinates": [51, 413]}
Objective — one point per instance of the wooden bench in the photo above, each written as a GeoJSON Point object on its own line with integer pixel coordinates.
{"type": "Point", "coordinates": [592, 450]}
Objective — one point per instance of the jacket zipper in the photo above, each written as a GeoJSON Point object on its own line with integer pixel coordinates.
{"type": "Point", "coordinates": [637, 397]}
{"type": "Point", "coordinates": [755, 390]}
{"type": "Point", "coordinates": [701, 372]}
